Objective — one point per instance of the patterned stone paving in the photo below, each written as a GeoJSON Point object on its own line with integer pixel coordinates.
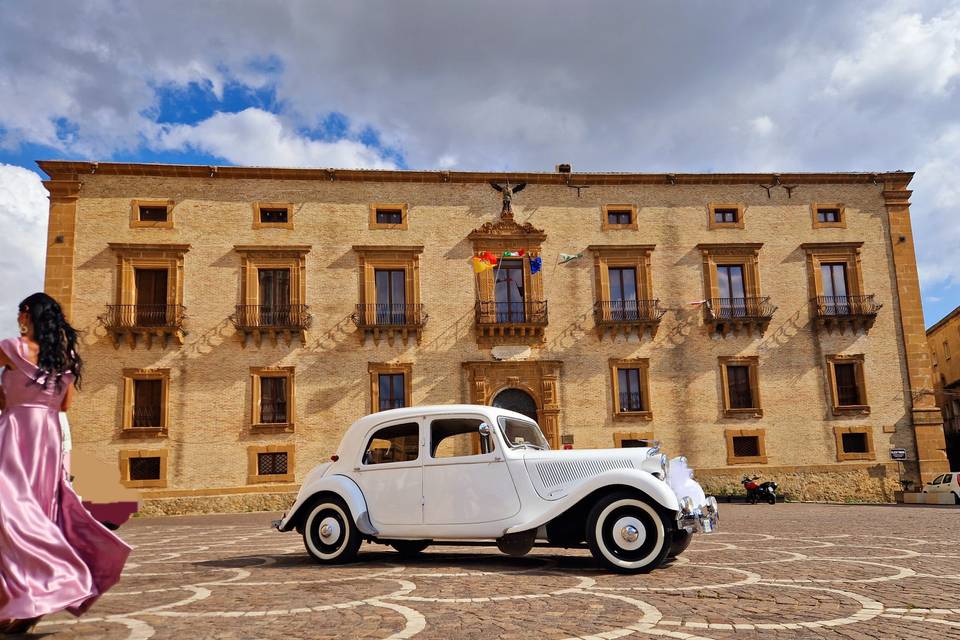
{"type": "Point", "coordinates": [790, 572]}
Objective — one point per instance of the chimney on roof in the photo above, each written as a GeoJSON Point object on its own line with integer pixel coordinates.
{"type": "Point", "coordinates": [563, 168]}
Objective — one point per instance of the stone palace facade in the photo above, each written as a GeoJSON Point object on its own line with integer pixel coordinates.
{"type": "Point", "coordinates": [236, 320]}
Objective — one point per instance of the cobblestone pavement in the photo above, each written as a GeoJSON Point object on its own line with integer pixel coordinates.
{"type": "Point", "coordinates": [791, 571]}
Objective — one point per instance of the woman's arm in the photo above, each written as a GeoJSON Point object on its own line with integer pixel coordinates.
{"type": "Point", "coordinates": [67, 398]}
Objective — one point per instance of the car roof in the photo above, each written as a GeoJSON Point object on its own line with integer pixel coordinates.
{"type": "Point", "coordinates": [353, 438]}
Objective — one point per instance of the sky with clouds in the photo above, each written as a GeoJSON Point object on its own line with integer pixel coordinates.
{"type": "Point", "coordinates": [606, 85]}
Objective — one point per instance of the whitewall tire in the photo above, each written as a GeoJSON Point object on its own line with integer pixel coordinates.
{"type": "Point", "coordinates": [329, 533]}
{"type": "Point", "coordinates": [628, 534]}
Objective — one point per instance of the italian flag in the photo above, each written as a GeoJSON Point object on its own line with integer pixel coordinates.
{"type": "Point", "coordinates": [514, 254]}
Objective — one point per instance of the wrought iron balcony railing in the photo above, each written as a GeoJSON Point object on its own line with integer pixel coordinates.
{"type": "Point", "coordinates": [292, 317]}
{"type": "Point", "coordinates": [143, 316]}
{"type": "Point", "coordinates": [627, 311]}
{"type": "Point", "coordinates": [383, 315]}
{"type": "Point", "coordinates": [527, 312]}
{"type": "Point", "coordinates": [744, 309]}
{"type": "Point", "coordinates": [845, 306]}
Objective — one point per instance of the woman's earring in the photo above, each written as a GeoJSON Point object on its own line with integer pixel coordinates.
{"type": "Point", "coordinates": [24, 329]}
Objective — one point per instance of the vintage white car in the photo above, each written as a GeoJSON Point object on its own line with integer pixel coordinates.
{"type": "Point", "coordinates": [453, 473]}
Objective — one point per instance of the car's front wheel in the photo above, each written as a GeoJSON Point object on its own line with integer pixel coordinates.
{"type": "Point", "coordinates": [627, 534]}
{"type": "Point", "coordinates": [329, 533]}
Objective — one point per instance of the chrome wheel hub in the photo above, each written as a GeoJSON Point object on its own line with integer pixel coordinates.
{"type": "Point", "coordinates": [629, 533]}
{"type": "Point", "coordinates": [329, 530]}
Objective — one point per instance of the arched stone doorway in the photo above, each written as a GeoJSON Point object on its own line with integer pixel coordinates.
{"type": "Point", "coordinates": [517, 400]}
{"type": "Point", "coordinates": [538, 380]}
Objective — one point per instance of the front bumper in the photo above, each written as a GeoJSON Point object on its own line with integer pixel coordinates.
{"type": "Point", "coordinates": [704, 518]}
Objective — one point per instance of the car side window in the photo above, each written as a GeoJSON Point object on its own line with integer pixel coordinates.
{"type": "Point", "coordinates": [947, 479]}
{"type": "Point", "coordinates": [396, 443]}
{"type": "Point", "coordinates": [936, 480]}
{"type": "Point", "coordinates": [456, 437]}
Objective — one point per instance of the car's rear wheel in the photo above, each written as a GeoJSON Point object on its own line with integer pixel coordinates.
{"type": "Point", "coordinates": [329, 533]}
{"type": "Point", "coordinates": [628, 534]}
{"type": "Point", "coordinates": [409, 548]}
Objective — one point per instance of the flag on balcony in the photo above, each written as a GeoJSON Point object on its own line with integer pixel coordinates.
{"type": "Point", "coordinates": [483, 262]}
{"type": "Point", "coordinates": [515, 254]}
{"type": "Point", "coordinates": [567, 257]}
{"type": "Point", "coordinates": [535, 264]}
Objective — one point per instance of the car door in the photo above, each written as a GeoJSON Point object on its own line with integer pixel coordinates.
{"type": "Point", "coordinates": [461, 483]}
{"type": "Point", "coordinates": [389, 473]}
{"type": "Point", "coordinates": [933, 485]}
{"type": "Point", "coordinates": [946, 483]}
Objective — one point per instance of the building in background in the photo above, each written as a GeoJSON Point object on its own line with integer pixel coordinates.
{"type": "Point", "coordinates": [236, 320]}
{"type": "Point", "coordinates": [944, 341]}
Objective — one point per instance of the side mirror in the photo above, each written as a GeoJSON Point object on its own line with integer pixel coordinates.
{"type": "Point", "coordinates": [486, 445]}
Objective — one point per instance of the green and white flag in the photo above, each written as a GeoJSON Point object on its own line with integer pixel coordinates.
{"type": "Point", "coordinates": [567, 257]}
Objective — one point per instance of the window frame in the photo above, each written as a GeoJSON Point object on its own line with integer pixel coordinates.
{"type": "Point", "coordinates": [753, 364]}
{"type": "Point", "coordinates": [373, 258]}
{"type": "Point", "coordinates": [253, 467]}
{"type": "Point", "coordinates": [643, 365]}
{"type": "Point", "coordinates": [858, 361]}
{"type": "Point", "coordinates": [388, 206]}
{"type": "Point", "coordinates": [128, 396]}
{"type": "Point", "coordinates": [842, 455]}
{"type": "Point", "coordinates": [760, 434]}
{"type": "Point", "coordinates": [712, 215]}
{"type": "Point", "coordinates": [636, 257]}
{"type": "Point", "coordinates": [124, 457]}
{"type": "Point", "coordinates": [815, 207]}
{"type": "Point", "coordinates": [607, 209]}
{"type": "Point", "coordinates": [477, 456]}
{"type": "Point", "coordinates": [258, 222]}
{"type": "Point", "coordinates": [256, 374]}
{"type": "Point", "coordinates": [137, 223]}
{"type": "Point", "coordinates": [368, 438]}
{"type": "Point", "coordinates": [375, 369]}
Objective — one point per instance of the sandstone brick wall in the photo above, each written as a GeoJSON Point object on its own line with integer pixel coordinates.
{"type": "Point", "coordinates": [210, 383]}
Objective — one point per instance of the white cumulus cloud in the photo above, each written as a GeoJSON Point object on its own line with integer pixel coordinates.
{"type": "Point", "coordinates": [260, 138]}
{"type": "Point", "coordinates": [23, 222]}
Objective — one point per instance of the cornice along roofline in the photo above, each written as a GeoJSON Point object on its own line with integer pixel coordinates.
{"type": "Point", "coordinates": [942, 321]}
{"type": "Point", "coordinates": [73, 169]}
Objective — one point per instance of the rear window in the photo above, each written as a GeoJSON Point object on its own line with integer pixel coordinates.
{"type": "Point", "coordinates": [396, 443]}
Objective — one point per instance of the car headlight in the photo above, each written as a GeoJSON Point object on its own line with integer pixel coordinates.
{"type": "Point", "coordinates": [686, 505]}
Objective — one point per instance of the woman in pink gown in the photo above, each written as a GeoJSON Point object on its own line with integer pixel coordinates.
{"type": "Point", "coordinates": [53, 554]}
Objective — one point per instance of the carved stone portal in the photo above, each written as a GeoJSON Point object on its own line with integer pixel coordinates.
{"type": "Point", "coordinates": [538, 378]}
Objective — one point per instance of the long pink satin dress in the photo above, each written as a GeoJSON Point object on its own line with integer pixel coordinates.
{"type": "Point", "coordinates": [53, 554]}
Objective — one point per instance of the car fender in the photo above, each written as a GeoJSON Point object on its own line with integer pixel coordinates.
{"type": "Point", "coordinates": [339, 485]}
{"type": "Point", "coordinates": [658, 490]}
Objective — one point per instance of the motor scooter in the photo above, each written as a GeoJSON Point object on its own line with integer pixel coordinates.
{"type": "Point", "coordinates": [756, 492]}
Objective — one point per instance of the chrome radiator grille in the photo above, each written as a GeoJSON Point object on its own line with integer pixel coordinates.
{"type": "Point", "coordinates": [554, 474]}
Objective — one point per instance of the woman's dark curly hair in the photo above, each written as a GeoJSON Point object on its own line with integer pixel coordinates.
{"type": "Point", "coordinates": [56, 338]}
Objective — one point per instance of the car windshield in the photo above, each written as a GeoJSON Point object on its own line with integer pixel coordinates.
{"type": "Point", "coordinates": [520, 433]}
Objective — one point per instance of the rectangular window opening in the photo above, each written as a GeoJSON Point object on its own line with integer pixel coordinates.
{"type": "Point", "coordinates": [855, 443]}
{"type": "Point", "coordinates": [273, 463]}
{"type": "Point", "coordinates": [273, 400]}
{"type": "Point", "coordinates": [389, 216]}
{"type": "Point", "coordinates": [628, 443]}
{"type": "Point", "coordinates": [152, 213]}
{"type": "Point", "coordinates": [848, 389]}
{"type": "Point", "coordinates": [619, 216]}
{"type": "Point", "coordinates": [828, 214]}
{"type": "Point", "coordinates": [148, 404]}
{"type": "Point", "coordinates": [630, 393]}
{"type": "Point", "coordinates": [145, 468]}
{"type": "Point", "coordinates": [391, 391]}
{"type": "Point", "coordinates": [738, 384]}
{"type": "Point", "coordinates": [391, 292]}
{"type": "Point", "coordinates": [725, 215]}
{"type": "Point", "coordinates": [746, 446]}
{"type": "Point", "coordinates": [274, 215]}
{"type": "Point", "coordinates": [509, 292]}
